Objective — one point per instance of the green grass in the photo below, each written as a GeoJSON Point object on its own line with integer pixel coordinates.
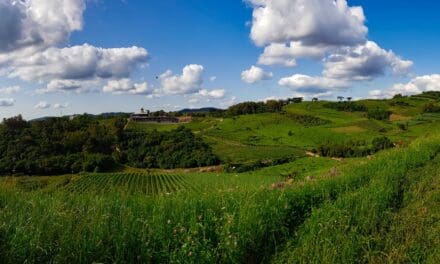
{"type": "Point", "coordinates": [218, 225]}
{"type": "Point", "coordinates": [380, 209]}
{"type": "Point", "coordinates": [353, 227]}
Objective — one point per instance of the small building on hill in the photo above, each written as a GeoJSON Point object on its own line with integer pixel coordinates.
{"type": "Point", "coordinates": [147, 117]}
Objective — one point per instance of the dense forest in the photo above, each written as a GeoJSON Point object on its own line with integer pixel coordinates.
{"type": "Point", "coordinates": [86, 143]}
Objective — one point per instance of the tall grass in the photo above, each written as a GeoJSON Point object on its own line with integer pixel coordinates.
{"type": "Point", "coordinates": [228, 226]}
{"type": "Point", "coordinates": [348, 230]}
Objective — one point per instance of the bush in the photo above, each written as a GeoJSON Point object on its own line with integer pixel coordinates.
{"type": "Point", "coordinates": [431, 108]}
{"type": "Point", "coordinates": [379, 114]}
{"type": "Point", "coordinates": [98, 163]}
{"type": "Point", "coordinates": [347, 106]}
{"type": "Point", "coordinates": [349, 149]}
{"type": "Point", "coordinates": [308, 120]}
{"type": "Point", "coordinates": [178, 148]}
{"type": "Point", "coordinates": [382, 143]}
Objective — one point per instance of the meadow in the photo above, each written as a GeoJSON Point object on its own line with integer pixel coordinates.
{"type": "Point", "coordinates": [382, 208]}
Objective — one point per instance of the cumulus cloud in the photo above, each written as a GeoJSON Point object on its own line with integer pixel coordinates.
{"type": "Point", "coordinates": [312, 84]}
{"type": "Point", "coordinates": [313, 22]}
{"type": "Point", "coordinates": [60, 106]}
{"type": "Point", "coordinates": [329, 31]}
{"type": "Point", "coordinates": [417, 85]}
{"type": "Point", "coordinates": [213, 94]}
{"type": "Point", "coordinates": [189, 82]}
{"type": "Point", "coordinates": [10, 90]}
{"type": "Point", "coordinates": [78, 62]}
{"type": "Point", "coordinates": [286, 54]}
{"type": "Point", "coordinates": [32, 36]}
{"type": "Point", "coordinates": [376, 94]}
{"type": "Point", "coordinates": [42, 105]}
{"type": "Point", "coordinates": [127, 86]}
{"type": "Point", "coordinates": [255, 74]}
{"type": "Point", "coordinates": [67, 86]}
{"type": "Point", "coordinates": [38, 24]}
{"type": "Point", "coordinates": [7, 102]}
{"type": "Point", "coordinates": [364, 62]}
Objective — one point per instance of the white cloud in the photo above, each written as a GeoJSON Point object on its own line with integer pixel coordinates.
{"type": "Point", "coordinates": [78, 63]}
{"type": "Point", "coordinates": [126, 86]}
{"type": "Point", "coordinates": [376, 94]}
{"type": "Point", "coordinates": [189, 82]}
{"type": "Point", "coordinates": [66, 86]}
{"type": "Point", "coordinates": [286, 54]}
{"type": "Point", "coordinates": [364, 62]}
{"type": "Point", "coordinates": [32, 36]}
{"type": "Point", "coordinates": [417, 85]}
{"type": "Point", "coordinates": [60, 106]}
{"type": "Point", "coordinates": [38, 24]}
{"type": "Point", "coordinates": [313, 22]}
{"type": "Point", "coordinates": [312, 84]}
{"type": "Point", "coordinates": [10, 90]}
{"type": "Point", "coordinates": [329, 31]}
{"type": "Point", "coordinates": [255, 74]}
{"type": "Point", "coordinates": [213, 78]}
{"type": "Point", "coordinates": [7, 102]}
{"type": "Point", "coordinates": [213, 94]}
{"type": "Point", "coordinates": [42, 105]}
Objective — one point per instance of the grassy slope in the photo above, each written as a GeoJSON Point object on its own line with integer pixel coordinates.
{"type": "Point", "coordinates": [222, 226]}
{"type": "Point", "coordinates": [386, 221]}
{"type": "Point", "coordinates": [380, 210]}
{"type": "Point", "coordinates": [274, 135]}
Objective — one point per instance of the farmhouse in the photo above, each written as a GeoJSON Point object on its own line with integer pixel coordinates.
{"type": "Point", "coordinates": [147, 117]}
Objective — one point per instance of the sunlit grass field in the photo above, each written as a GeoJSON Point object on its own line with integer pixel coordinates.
{"type": "Point", "coordinates": [383, 208]}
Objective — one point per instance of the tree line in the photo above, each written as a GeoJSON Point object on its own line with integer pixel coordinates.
{"type": "Point", "coordinates": [86, 143]}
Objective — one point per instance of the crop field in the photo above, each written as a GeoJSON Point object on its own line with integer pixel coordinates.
{"type": "Point", "coordinates": [220, 223]}
{"type": "Point", "coordinates": [129, 182]}
{"type": "Point", "coordinates": [288, 204]}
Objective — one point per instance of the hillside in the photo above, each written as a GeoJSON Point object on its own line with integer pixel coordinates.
{"type": "Point", "coordinates": [311, 182]}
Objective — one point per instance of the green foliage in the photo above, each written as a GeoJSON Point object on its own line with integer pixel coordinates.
{"type": "Point", "coordinates": [431, 108]}
{"type": "Point", "coordinates": [60, 145]}
{"type": "Point", "coordinates": [382, 143]}
{"type": "Point", "coordinates": [247, 108]}
{"type": "Point", "coordinates": [353, 228]}
{"type": "Point", "coordinates": [255, 165]}
{"type": "Point", "coordinates": [351, 148]}
{"type": "Point", "coordinates": [178, 148]}
{"type": "Point", "coordinates": [346, 106]}
{"type": "Point", "coordinates": [347, 149]}
{"type": "Point", "coordinates": [379, 114]}
{"type": "Point", "coordinates": [334, 220]}
{"type": "Point", "coordinates": [308, 120]}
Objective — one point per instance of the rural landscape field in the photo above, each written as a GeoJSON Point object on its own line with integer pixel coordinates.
{"type": "Point", "coordinates": [308, 182]}
{"type": "Point", "coordinates": [216, 131]}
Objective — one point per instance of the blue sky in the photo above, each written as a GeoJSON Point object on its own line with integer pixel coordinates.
{"type": "Point", "coordinates": [210, 38]}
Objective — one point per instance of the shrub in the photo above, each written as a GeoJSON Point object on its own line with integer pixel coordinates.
{"type": "Point", "coordinates": [348, 149]}
{"type": "Point", "coordinates": [98, 163]}
{"type": "Point", "coordinates": [431, 108]}
{"type": "Point", "coordinates": [347, 106]}
{"type": "Point", "coordinates": [379, 114]}
{"type": "Point", "coordinates": [308, 120]}
{"type": "Point", "coordinates": [382, 143]}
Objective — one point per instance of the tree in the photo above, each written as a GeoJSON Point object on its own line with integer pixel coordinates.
{"type": "Point", "coordinates": [340, 98]}
{"type": "Point", "coordinates": [349, 99]}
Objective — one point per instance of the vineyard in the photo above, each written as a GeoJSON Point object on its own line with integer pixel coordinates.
{"type": "Point", "coordinates": [144, 183]}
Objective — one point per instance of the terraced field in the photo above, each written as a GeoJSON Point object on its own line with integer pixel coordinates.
{"type": "Point", "coordinates": [145, 183]}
